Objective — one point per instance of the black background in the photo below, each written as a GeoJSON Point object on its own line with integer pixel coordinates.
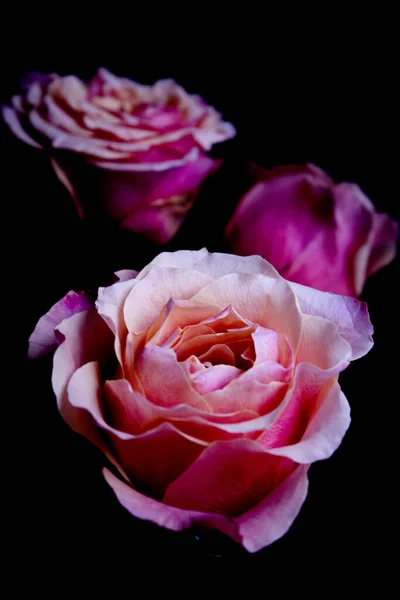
{"type": "Point", "coordinates": [338, 111]}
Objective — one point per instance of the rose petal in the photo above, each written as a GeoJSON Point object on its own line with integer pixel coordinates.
{"type": "Point", "coordinates": [312, 387]}
{"type": "Point", "coordinates": [154, 458]}
{"type": "Point", "coordinates": [350, 315]}
{"type": "Point", "coordinates": [125, 274]}
{"type": "Point", "coordinates": [272, 517]}
{"type": "Point", "coordinates": [110, 306]}
{"type": "Point", "coordinates": [43, 339]}
{"type": "Point", "coordinates": [166, 516]}
{"type": "Point", "coordinates": [263, 300]}
{"type": "Point", "coordinates": [164, 381]}
{"type": "Point", "coordinates": [151, 294]}
{"type": "Point", "coordinates": [11, 118]}
{"type": "Point", "coordinates": [321, 344]}
{"type": "Point", "coordinates": [325, 431]}
{"type": "Point", "coordinates": [86, 338]}
{"type": "Point", "coordinates": [214, 264]}
{"type": "Point", "coordinates": [383, 243]}
{"type": "Point", "coordinates": [228, 478]}
{"type": "Point", "coordinates": [214, 378]}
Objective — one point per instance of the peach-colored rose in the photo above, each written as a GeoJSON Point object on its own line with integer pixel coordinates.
{"type": "Point", "coordinates": [211, 384]}
{"type": "Point", "coordinates": [139, 151]}
{"type": "Point", "coordinates": [314, 231]}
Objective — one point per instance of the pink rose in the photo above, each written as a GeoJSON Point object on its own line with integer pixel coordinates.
{"type": "Point", "coordinates": [211, 384]}
{"type": "Point", "coordinates": [142, 150]}
{"type": "Point", "coordinates": [314, 231]}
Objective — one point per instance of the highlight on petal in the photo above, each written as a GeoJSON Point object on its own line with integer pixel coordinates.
{"type": "Point", "coordinates": [314, 417]}
{"type": "Point", "coordinates": [263, 300]}
{"type": "Point", "coordinates": [214, 264]}
{"type": "Point", "coordinates": [86, 338]}
{"type": "Point", "coordinates": [152, 292]}
{"type": "Point", "coordinates": [43, 339]}
{"type": "Point", "coordinates": [350, 315]}
{"type": "Point", "coordinates": [325, 431]}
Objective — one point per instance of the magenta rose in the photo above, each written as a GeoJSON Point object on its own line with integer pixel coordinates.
{"type": "Point", "coordinates": [138, 151]}
{"type": "Point", "coordinates": [313, 230]}
{"type": "Point", "coordinates": [210, 383]}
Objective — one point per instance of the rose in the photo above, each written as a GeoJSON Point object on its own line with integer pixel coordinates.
{"type": "Point", "coordinates": [138, 150]}
{"type": "Point", "coordinates": [314, 231]}
{"type": "Point", "coordinates": [210, 383]}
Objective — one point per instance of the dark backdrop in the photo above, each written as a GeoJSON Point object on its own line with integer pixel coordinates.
{"type": "Point", "coordinates": [286, 110]}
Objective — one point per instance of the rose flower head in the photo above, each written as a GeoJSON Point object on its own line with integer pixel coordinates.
{"type": "Point", "coordinates": [137, 153]}
{"type": "Point", "coordinates": [211, 385]}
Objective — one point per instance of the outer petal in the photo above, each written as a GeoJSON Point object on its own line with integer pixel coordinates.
{"type": "Point", "coordinates": [350, 315]}
{"type": "Point", "coordinates": [166, 516]}
{"type": "Point", "coordinates": [86, 338]}
{"type": "Point", "coordinates": [255, 529]}
{"type": "Point", "coordinates": [154, 458]}
{"type": "Point", "coordinates": [43, 339]}
{"type": "Point", "coordinates": [312, 387]}
{"type": "Point", "coordinates": [228, 478]}
{"type": "Point", "coordinates": [272, 517]}
{"type": "Point", "coordinates": [325, 431]}
{"type": "Point", "coordinates": [321, 344]}
{"type": "Point", "coordinates": [214, 264]}
{"type": "Point", "coordinates": [125, 274]}
{"type": "Point", "coordinates": [383, 243]}
{"type": "Point", "coordinates": [11, 118]}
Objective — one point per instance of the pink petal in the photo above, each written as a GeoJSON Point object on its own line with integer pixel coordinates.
{"type": "Point", "coordinates": [228, 478]}
{"type": "Point", "coordinates": [311, 387]}
{"type": "Point", "coordinates": [260, 389]}
{"type": "Point", "coordinates": [126, 409]}
{"type": "Point", "coordinates": [80, 408]}
{"type": "Point", "coordinates": [383, 243]}
{"type": "Point", "coordinates": [263, 300]}
{"type": "Point", "coordinates": [166, 516]}
{"type": "Point", "coordinates": [110, 306]}
{"type": "Point", "coordinates": [214, 378]}
{"type": "Point", "coordinates": [130, 412]}
{"type": "Point", "coordinates": [43, 339]}
{"type": "Point", "coordinates": [86, 338]}
{"type": "Point", "coordinates": [266, 345]}
{"type": "Point", "coordinates": [12, 120]}
{"type": "Point", "coordinates": [272, 517]}
{"type": "Point", "coordinates": [259, 527]}
{"type": "Point", "coordinates": [65, 179]}
{"type": "Point", "coordinates": [350, 315]}
{"type": "Point", "coordinates": [301, 221]}
{"type": "Point", "coordinates": [177, 315]}
{"type": "Point", "coordinates": [151, 293]}
{"type": "Point", "coordinates": [154, 458]}
{"type": "Point", "coordinates": [164, 381]}
{"type": "Point", "coordinates": [321, 344]}
{"type": "Point", "coordinates": [325, 431]}
{"type": "Point", "coordinates": [125, 274]}
{"type": "Point", "coordinates": [214, 264]}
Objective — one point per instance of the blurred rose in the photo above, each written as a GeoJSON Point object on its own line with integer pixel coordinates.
{"type": "Point", "coordinates": [211, 384]}
{"type": "Point", "coordinates": [142, 149]}
{"type": "Point", "coordinates": [314, 231]}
